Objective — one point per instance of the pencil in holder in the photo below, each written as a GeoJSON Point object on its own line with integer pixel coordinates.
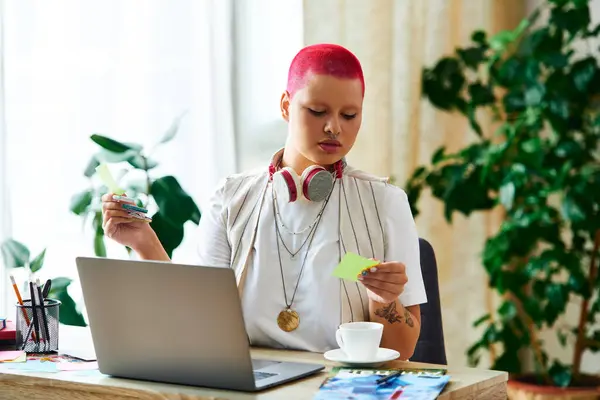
{"type": "Point", "coordinates": [37, 326]}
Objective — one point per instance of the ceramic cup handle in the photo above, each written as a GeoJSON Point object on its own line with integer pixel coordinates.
{"type": "Point", "coordinates": [339, 340]}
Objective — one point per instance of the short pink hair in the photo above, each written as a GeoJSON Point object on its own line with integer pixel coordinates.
{"type": "Point", "coordinates": [323, 59]}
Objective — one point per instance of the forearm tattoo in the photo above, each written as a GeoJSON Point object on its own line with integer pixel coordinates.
{"type": "Point", "coordinates": [391, 315]}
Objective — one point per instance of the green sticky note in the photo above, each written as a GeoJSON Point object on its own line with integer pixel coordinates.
{"type": "Point", "coordinates": [352, 265]}
{"type": "Point", "coordinates": [108, 180]}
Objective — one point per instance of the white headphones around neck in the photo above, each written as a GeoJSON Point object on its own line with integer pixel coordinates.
{"type": "Point", "coordinates": [315, 184]}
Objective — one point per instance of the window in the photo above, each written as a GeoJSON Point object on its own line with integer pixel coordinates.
{"type": "Point", "coordinates": [126, 69]}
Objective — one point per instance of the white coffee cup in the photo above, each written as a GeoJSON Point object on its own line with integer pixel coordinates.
{"type": "Point", "coordinates": [359, 340]}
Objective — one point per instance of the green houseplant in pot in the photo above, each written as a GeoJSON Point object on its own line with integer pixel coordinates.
{"type": "Point", "coordinates": [541, 166]}
{"type": "Point", "coordinates": [172, 204]}
{"type": "Point", "coordinates": [16, 255]}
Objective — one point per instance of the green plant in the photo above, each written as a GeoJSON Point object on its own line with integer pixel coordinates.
{"type": "Point", "coordinates": [174, 207]}
{"type": "Point", "coordinates": [540, 167]}
{"type": "Point", "coordinates": [16, 255]}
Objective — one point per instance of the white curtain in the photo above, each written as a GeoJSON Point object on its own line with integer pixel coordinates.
{"type": "Point", "coordinates": [126, 69]}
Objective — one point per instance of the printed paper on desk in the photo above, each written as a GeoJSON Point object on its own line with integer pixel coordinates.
{"type": "Point", "coordinates": [108, 180]}
{"type": "Point", "coordinates": [352, 265]}
{"type": "Point", "coordinates": [30, 366]}
{"type": "Point", "coordinates": [11, 356]}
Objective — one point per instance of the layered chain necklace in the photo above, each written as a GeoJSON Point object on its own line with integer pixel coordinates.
{"type": "Point", "coordinates": [288, 319]}
{"type": "Point", "coordinates": [311, 227]}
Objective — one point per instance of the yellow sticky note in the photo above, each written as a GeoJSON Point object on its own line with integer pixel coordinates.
{"type": "Point", "coordinates": [352, 265]}
{"type": "Point", "coordinates": [108, 180]}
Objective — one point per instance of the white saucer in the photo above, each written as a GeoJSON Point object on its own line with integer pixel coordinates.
{"type": "Point", "coordinates": [383, 355]}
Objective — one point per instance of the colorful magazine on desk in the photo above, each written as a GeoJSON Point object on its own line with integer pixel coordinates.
{"type": "Point", "coordinates": [361, 384]}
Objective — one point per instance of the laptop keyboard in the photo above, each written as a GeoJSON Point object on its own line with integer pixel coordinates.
{"type": "Point", "coordinates": [262, 375]}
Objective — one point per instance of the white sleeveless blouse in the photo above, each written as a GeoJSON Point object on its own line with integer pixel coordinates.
{"type": "Point", "coordinates": [364, 215]}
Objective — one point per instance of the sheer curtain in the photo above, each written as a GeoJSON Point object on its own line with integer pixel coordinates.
{"type": "Point", "coordinates": [265, 53]}
{"type": "Point", "coordinates": [4, 214]}
{"type": "Point", "coordinates": [126, 69]}
{"type": "Point", "coordinates": [394, 40]}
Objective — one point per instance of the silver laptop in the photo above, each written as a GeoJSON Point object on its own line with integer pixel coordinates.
{"type": "Point", "coordinates": [174, 323]}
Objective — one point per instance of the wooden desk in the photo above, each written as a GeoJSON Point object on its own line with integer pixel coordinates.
{"type": "Point", "coordinates": [466, 383]}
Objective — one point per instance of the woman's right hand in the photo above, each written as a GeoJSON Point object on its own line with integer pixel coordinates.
{"type": "Point", "coordinates": [122, 227]}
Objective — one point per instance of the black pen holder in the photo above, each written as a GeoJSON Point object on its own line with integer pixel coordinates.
{"type": "Point", "coordinates": [44, 337]}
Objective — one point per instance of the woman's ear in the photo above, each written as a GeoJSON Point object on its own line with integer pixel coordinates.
{"type": "Point", "coordinates": [285, 106]}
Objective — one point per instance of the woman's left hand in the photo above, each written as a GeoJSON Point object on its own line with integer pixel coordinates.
{"type": "Point", "coordinates": [385, 282]}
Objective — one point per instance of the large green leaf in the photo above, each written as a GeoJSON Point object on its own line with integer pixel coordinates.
{"type": "Point", "coordinates": [142, 162]}
{"type": "Point", "coordinates": [443, 84]}
{"type": "Point", "coordinates": [68, 312]}
{"type": "Point", "coordinates": [583, 72]}
{"type": "Point", "coordinates": [38, 262]}
{"type": "Point", "coordinates": [438, 155]}
{"type": "Point", "coordinates": [507, 310]}
{"type": "Point", "coordinates": [561, 374]}
{"type": "Point", "coordinates": [14, 254]}
{"type": "Point", "coordinates": [114, 145]}
{"type": "Point", "coordinates": [534, 95]}
{"type": "Point", "coordinates": [479, 37]}
{"type": "Point", "coordinates": [558, 296]}
{"type": "Point", "coordinates": [508, 361]}
{"type": "Point", "coordinates": [472, 56]}
{"type": "Point", "coordinates": [572, 20]}
{"type": "Point", "coordinates": [509, 72]}
{"type": "Point", "coordinates": [501, 40]}
{"type": "Point", "coordinates": [170, 234]}
{"type": "Point", "coordinates": [174, 203]}
{"type": "Point", "coordinates": [81, 201]}
{"type": "Point", "coordinates": [514, 101]}
{"type": "Point", "coordinates": [481, 95]}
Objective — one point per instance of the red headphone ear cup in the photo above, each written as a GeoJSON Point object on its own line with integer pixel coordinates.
{"type": "Point", "coordinates": [285, 183]}
{"type": "Point", "coordinates": [317, 183]}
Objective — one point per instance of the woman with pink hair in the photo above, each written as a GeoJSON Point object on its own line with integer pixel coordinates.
{"type": "Point", "coordinates": [285, 227]}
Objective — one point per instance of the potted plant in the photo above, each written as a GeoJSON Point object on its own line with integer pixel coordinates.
{"type": "Point", "coordinates": [172, 205]}
{"type": "Point", "coordinates": [16, 255]}
{"type": "Point", "coordinates": [541, 167]}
